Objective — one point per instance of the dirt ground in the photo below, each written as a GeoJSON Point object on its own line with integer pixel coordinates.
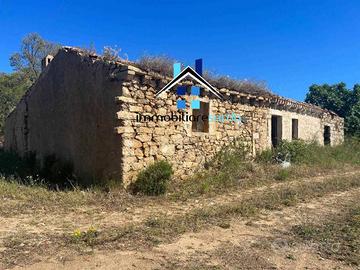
{"type": "Point", "coordinates": [262, 241]}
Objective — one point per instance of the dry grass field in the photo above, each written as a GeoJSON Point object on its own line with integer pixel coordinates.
{"type": "Point", "coordinates": [262, 217]}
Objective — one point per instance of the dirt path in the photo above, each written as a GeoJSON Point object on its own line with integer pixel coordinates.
{"type": "Point", "coordinates": [248, 244]}
{"type": "Point", "coordinates": [61, 221]}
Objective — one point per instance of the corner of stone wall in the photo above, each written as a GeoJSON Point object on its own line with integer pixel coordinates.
{"type": "Point", "coordinates": [137, 148]}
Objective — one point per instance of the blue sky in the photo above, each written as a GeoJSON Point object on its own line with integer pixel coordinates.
{"type": "Point", "coordinates": [288, 44]}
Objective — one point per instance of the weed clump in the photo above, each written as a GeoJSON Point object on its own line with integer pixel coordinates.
{"type": "Point", "coordinates": [153, 180]}
{"type": "Point", "coordinates": [89, 236]}
{"type": "Point", "coordinates": [164, 65]}
{"type": "Point", "coordinates": [160, 63]}
{"type": "Point", "coordinates": [225, 169]}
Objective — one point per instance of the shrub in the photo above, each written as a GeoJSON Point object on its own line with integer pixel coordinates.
{"type": "Point", "coordinates": [111, 53]}
{"type": "Point", "coordinates": [153, 180]}
{"type": "Point", "coordinates": [229, 157]}
{"type": "Point", "coordinates": [244, 86]}
{"type": "Point", "coordinates": [349, 151]}
{"type": "Point", "coordinates": [296, 151]}
{"type": "Point", "coordinates": [160, 63]}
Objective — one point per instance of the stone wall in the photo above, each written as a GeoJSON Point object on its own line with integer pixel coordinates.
{"type": "Point", "coordinates": [145, 142]}
{"type": "Point", "coordinates": [336, 125]}
{"type": "Point", "coordinates": [310, 128]}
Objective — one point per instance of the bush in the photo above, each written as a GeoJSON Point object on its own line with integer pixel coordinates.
{"type": "Point", "coordinates": [160, 63]}
{"type": "Point", "coordinates": [301, 152]}
{"type": "Point", "coordinates": [244, 86]}
{"type": "Point", "coordinates": [153, 180]}
{"type": "Point", "coordinates": [229, 157]}
{"type": "Point", "coordinates": [296, 151]}
{"type": "Point", "coordinates": [111, 53]}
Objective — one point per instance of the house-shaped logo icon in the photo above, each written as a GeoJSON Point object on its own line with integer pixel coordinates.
{"type": "Point", "coordinates": [196, 75]}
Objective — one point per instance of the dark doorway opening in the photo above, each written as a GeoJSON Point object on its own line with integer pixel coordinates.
{"type": "Point", "coordinates": [295, 129]}
{"type": "Point", "coordinates": [327, 135]}
{"type": "Point", "coordinates": [276, 130]}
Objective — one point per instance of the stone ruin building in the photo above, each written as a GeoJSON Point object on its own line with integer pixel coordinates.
{"type": "Point", "coordinates": [92, 113]}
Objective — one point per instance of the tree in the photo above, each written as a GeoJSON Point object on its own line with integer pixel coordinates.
{"type": "Point", "coordinates": [337, 98]}
{"type": "Point", "coordinates": [353, 120]}
{"type": "Point", "coordinates": [33, 49]}
{"type": "Point", "coordinates": [332, 97]}
{"type": "Point", "coordinates": [12, 87]}
{"type": "Point", "coordinates": [355, 98]}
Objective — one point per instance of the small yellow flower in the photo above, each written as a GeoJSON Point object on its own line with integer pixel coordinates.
{"type": "Point", "coordinates": [92, 229]}
{"type": "Point", "coordinates": [77, 233]}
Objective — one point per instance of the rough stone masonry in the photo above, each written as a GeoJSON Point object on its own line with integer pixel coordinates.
{"type": "Point", "coordinates": [86, 110]}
